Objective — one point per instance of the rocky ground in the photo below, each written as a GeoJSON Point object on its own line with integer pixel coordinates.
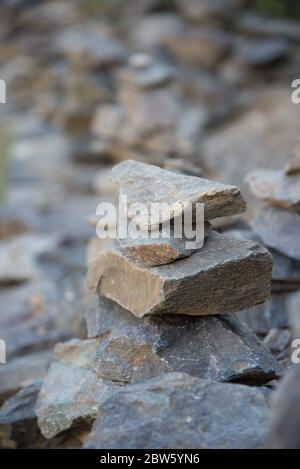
{"type": "Point", "coordinates": [201, 89]}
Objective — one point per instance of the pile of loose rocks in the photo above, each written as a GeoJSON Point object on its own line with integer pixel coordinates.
{"type": "Point", "coordinates": [158, 329]}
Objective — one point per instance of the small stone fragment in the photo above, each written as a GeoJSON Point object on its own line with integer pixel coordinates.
{"type": "Point", "coordinates": [276, 188]}
{"type": "Point", "coordinates": [159, 251]}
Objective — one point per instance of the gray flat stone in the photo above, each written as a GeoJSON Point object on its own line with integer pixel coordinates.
{"type": "Point", "coordinates": [133, 349]}
{"type": "Point", "coordinates": [148, 184]}
{"type": "Point", "coordinates": [226, 275]}
{"type": "Point", "coordinates": [294, 314]}
{"type": "Point", "coordinates": [279, 229]}
{"type": "Point", "coordinates": [275, 187]}
{"type": "Point", "coordinates": [179, 411]}
{"type": "Point", "coordinates": [160, 251]}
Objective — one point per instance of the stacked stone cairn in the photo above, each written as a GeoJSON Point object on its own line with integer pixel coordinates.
{"type": "Point", "coordinates": [158, 328]}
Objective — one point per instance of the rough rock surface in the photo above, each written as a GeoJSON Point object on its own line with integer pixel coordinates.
{"type": "Point", "coordinates": [276, 187]}
{"type": "Point", "coordinates": [215, 348]}
{"type": "Point", "coordinates": [293, 165]}
{"type": "Point", "coordinates": [226, 275]}
{"type": "Point", "coordinates": [279, 229]}
{"type": "Point", "coordinates": [149, 184]}
{"type": "Point", "coordinates": [179, 411]}
{"type": "Point", "coordinates": [71, 389]}
{"type": "Point", "coordinates": [284, 424]}
{"type": "Point", "coordinates": [159, 251]}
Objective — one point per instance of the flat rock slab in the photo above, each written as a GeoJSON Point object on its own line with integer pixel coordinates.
{"type": "Point", "coordinates": [148, 184]}
{"type": "Point", "coordinates": [276, 187]}
{"type": "Point", "coordinates": [215, 348]}
{"type": "Point", "coordinates": [226, 275]}
{"type": "Point", "coordinates": [279, 229]}
{"type": "Point", "coordinates": [160, 251]}
{"type": "Point", "coordinates": [180, 411]}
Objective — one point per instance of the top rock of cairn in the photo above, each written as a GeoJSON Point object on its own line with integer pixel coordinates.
{"type": "Point", "coordinates": [149, 276]}
{"type": "Point", "coordinates": [149, 184]}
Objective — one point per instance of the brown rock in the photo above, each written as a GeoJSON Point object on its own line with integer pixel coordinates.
{"type": "Point", "coordinates": [226, 275]}
{"type": "Point", "coordinates": [160, 251]}
{"type": "Point", "coordinates": [293, 165]}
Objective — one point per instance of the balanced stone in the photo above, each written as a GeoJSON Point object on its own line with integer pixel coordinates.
{"type": "Point", "coordinates": [148, 184]}
{"type": "Point", "coordinates": [159, 251]}
{"type": "Point", "coordinates": [132, 349]}
{"type": "Point", "coordinates": [226, 275]}
{"type": "Point", "coordinates": [177, 410]}
{"type": "Point", "coordinates": [275, 187]}
{"type": "Point", "coordinates": [279, 229]}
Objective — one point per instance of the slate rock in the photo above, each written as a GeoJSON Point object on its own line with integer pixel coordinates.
{"type": "Point", "coordinates": [284, 422]}
{"type": "Point", "coordinates": [133, 349]}
{"type": "Point", "coordinates": [71, 389]}
{"type": "Point", "coordinates": [224, 276]}
{"type": "Point", "coordinates": [176, 410]}
{"type": "Point", "coordinates": [277, 339]}
{"type": "Point", "coordinates": [148, 184]}
{"type": "Point", "coordinates": [159, 251]}
{"type": "Point", "coordinates": [21, 371]}
{"type": "Point", "coordinates": [279, 229]}
{"type": "Point", "coordinates": [275, 187]}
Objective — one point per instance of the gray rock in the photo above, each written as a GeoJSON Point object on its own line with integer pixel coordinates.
{"type": "Point", "coordinates": [133, 349]}
{"type": "Point", "coordinates": [20, 372]}
{"type": "Point", "coordinates": [90, 47]}
{"type": "Point", "coordinates": [148, 184]}
{"type": "Point", "coordinates": [286, 271]}
{"type": "Point", "coordinates": [279, 229]}
{"type": "Point", "coordinates": [159, 251]}
{"type": "Point", "coordinates": [18, 257]}
{"type": "Point", "coordinates": [275, 187]}
{"type": "Point", "coordinates": [294, 314]}
{"type": "Point", "coordinates": [208, 11]}
{"type": "Point", "coordinates": [179, 411]}
{"type": "Point", "coordinates": [277, 339]}
{"type": "Point", "coordinates": [183, 167]}
{"type": "Point", "coordinates": [226, 275]}
{"type": "Point", "coordinates": [17, 416]}
{"type": "Point", "coordinates": [71, 389]}
{"type": "Point", "coordinates": [284, 422]}
{"type": "Point", "coordinates": [263, 52]}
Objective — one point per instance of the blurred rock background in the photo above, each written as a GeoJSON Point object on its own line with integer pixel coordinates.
{"type": "Point", "coordinates": [201, 87]}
